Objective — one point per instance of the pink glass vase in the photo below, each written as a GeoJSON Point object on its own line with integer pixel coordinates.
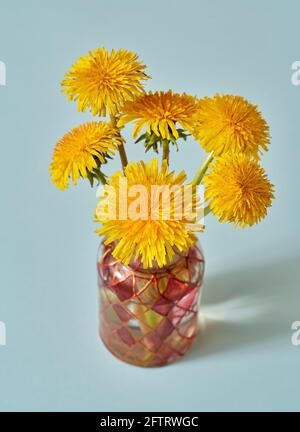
{"type": "Point", "coordinates": [149, 317]}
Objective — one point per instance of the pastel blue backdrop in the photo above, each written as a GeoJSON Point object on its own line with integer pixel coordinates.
{"type": "Point", "coordinates": [53, 360]}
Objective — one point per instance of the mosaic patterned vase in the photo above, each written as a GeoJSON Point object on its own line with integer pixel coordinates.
{"type": "Point", "coordinates": [149, 317]}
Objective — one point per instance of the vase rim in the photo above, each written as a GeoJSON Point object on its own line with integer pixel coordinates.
{"type": "Point", "coordinates": [154, 270]}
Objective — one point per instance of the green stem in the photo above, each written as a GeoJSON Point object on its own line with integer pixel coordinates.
{"type": "Point", "coordinates": [202, 170]}
{"type": "Point", "coordinates": [121, 148]}
{"type": "Point", "coordinates": [207, 210]}
{"type": "Point", "coordinates": [123, 156]}
{"type": "Point", "coordinates": [166, 150]}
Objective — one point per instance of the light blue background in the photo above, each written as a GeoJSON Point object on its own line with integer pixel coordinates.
{"type": "Point", "coordinates": [244, 359]}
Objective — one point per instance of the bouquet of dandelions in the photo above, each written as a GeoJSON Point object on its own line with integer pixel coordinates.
{"type": "Point", "coordinates": [229, 128]}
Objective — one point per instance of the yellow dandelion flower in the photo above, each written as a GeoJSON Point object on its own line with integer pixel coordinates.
{"type": "Point", "coordinates": [153, 238]}
{"type": "Point", "coordinates": [159, 112]}
{"type": "Point", "coordinates": [81, 150]}
{"type": "Point", "coordinates": [102, 81]}
{"type": "Point", "coordinates": [230, 124]}
{"type": "Point", "coordinates": [238, 189]}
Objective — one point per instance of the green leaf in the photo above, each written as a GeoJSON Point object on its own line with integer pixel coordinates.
{"type": "Point", "coordinates": [140, 138]}
{"type": "Point", "coordinates": [90, 178]}
{"type": "Point", "coordinates": [99, 175]}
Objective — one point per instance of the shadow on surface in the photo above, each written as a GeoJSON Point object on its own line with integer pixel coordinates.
{"type": "Point", "coordinates": [247, 307]}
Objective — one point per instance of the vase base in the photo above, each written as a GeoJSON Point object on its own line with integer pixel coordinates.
{"type": "Point", "coordinates": [140, 356]}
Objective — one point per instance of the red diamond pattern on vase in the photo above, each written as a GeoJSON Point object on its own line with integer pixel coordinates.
{"type": "Point", "coordinates": [184, 306]}
{"type": "Point", "coordinates": [176, 289]}
{"type": "Point", "coordinates": [126, 336]}
{"type": "Point", "coordinates": [122, 313]}
{"type": "Point", "coordinates": [124, 288]}
{"type": "Point", "coordinates": [162, 306]}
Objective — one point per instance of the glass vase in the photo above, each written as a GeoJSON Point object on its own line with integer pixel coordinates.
{"type": "Point", "coordinates": [148, 317]}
